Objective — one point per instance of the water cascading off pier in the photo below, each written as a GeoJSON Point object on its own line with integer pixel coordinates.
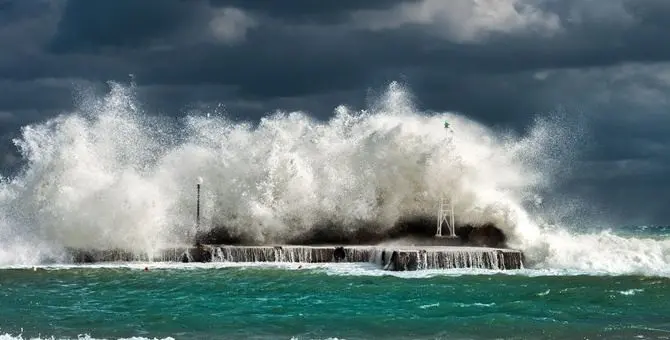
{"type": "Point", "coordinates": [388, 258]}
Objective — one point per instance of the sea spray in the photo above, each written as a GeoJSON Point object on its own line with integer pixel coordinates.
{"type": "Point", "coordinates": [110, 175]}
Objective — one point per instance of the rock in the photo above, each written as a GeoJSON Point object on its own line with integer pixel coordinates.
{"type": "Point", "coordinates": [200, 253]}
{"type": "Point", "coordinates": [487, 235]}
{"type": "Point", "coordinates": [339, 254]}
{"type": "Point", "coordinates": [419, 228]}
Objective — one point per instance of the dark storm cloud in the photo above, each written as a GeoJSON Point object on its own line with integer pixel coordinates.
{"type": "Point", "coordinates": [306, 11]}
{"type": "Point", "coordinates": [499, 62]}
{"type": "Point", "coordinates": [90, 25]}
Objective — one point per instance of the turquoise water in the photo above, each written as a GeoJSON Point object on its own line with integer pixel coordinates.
{"type": "Point", "coordinates": [334, 301]}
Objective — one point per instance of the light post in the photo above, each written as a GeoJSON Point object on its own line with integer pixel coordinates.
{"type": "Point", "coordinates": [197, 209]}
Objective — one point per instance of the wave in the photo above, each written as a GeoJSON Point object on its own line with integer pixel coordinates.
{"type": "Point", "coordinates": [110, 175]}
{"type": "Point", "coordinates": [8, 336]}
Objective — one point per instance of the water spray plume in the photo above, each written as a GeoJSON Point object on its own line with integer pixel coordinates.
{"type": "Point", "coordinates": [111, 176]}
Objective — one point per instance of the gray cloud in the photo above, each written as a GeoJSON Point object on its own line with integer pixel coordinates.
{"type": "Point", "coordinates": [462, 20]}
{"type": "Point", "coordinates": [6, 116]}
{"type": "Point", "coordinates": [230, 25]}
{"type": "Point", "coordinates": [306, 11]}
{"type": "Point", "coordinates": [500, 62]}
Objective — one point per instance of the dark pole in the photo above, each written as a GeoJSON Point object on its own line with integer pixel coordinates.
{"type": "Point", "coordinates": [197, 213]}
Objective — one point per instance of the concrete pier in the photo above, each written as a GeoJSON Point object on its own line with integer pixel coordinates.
{"type": "Point", "coordinates": [395, 258]}
{"type": "Point", "coordinates": [402, 259]}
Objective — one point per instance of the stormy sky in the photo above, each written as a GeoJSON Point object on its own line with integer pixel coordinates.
{"type": "Point", "coordinates": [500, 62]}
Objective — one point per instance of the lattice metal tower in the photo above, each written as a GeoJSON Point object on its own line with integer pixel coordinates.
{"type": "Point", "coordinates": [445, 209]}
{"type": "Point", "coordinates": [445, 214]}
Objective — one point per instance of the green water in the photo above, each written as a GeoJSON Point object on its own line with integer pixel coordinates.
{"type": "Point", "coordinates": [317, 303]}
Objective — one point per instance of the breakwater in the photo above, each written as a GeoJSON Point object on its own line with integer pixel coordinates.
{"type": "Point", "coordinates": [395, 258]}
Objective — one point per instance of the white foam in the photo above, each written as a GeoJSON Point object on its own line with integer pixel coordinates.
{"type": "Point", "coordinates": [630, 291]}
{"type": "Point", "coordinates": [109, 175]}
{"type": "Point", "coordinates": [335, 269]}
{"type": "Point", "coordinates": [601, 253]}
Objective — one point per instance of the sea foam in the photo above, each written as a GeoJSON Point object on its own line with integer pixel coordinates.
{"type": "Point", "coordinates": [110, 175]}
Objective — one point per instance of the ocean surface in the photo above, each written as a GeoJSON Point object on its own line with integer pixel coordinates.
{"type": "Point", "coordinates": [343, 301]}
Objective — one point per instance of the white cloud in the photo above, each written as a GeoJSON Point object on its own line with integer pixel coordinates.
{"type": "Point", "coordinates": [230, 25]}
{"type": "Point", "coordinates": [463, 20]}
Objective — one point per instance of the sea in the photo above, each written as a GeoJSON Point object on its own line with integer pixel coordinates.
{"type": "Point", "coordinates": [110, 175]}
{"type": "Point", "coordinates": [332, 301]}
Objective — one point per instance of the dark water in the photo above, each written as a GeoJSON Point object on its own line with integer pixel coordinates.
{"type": "Point", "coordinates": [336, 301]}
{"type": "Point", "coordinates": [654, 232]}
